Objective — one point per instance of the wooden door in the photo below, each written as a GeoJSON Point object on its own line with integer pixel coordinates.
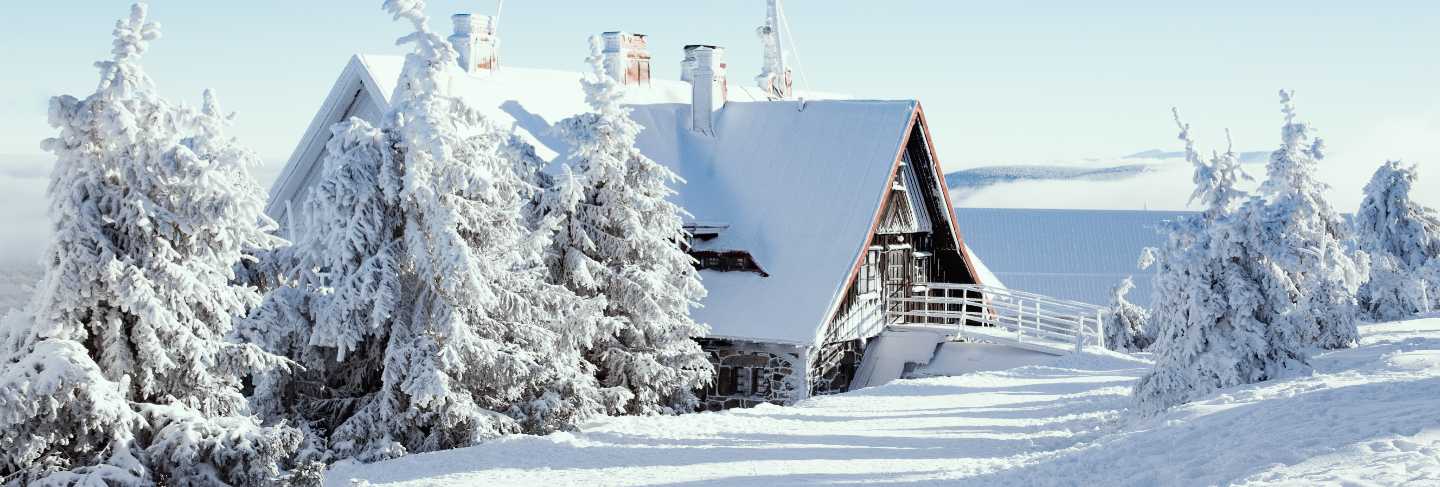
{"type": "Point", "coordinates": [897, 266]}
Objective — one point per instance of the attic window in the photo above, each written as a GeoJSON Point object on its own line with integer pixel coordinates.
{"type": "Point", "coordinates": [727, 261]}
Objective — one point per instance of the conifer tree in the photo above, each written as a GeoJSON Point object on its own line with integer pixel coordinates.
{"type": "Point", "coordinates": [417, 290]}
{"type": "Point", "coordinates": [1401, 237]}
{"type": "Point", "coordinates": [1126, 324]}
{"type": "Point", "coordinates": [619, 237]}
{"type": "Point", "coordinates": [122, 371]}
{"type": "Point", "coordinates": [1304, 236]}
{"type": "Point", "coordinates": [1216, 325]}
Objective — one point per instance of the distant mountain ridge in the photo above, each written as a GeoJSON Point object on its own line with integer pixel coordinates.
{"type": "Point", "coordinates": [985, 176]}
{"type": "Point", "coordinates": [1125, 167]}
{"type": "Point", "coordinates": [1248, 157]}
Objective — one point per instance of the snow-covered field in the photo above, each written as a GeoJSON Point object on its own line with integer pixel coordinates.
{"type": "Point", "coordinates": [1366, 416]}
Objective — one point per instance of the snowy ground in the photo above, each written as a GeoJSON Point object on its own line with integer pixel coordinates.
{"type": "Point", "coordinates": [1366, 416]}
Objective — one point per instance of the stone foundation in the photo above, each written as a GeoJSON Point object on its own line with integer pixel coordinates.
{"type": "Point", "coordinates": [835, 366]}
{"type": "Point", "coordinates": [748, 374]}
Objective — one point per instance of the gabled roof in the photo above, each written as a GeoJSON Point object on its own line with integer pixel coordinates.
{"type": "Point", "coordinates": [795, 183]}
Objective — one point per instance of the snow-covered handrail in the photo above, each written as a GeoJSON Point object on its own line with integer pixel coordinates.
{"type": "Point", "coordinates": [864, 319]}
{"type": "Point", "coordinates": [1016, 316]}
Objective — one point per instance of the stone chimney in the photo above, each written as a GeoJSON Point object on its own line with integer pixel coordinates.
{"type": "Point", "coordinates": [475, 40]}
{"type": "Point", "coordinates": [627, 58]}
{"type": "Point", "coordinates": [704, 68]}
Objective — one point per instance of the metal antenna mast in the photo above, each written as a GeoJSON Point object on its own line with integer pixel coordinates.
{"type": "Point", "coordinates": [498, 8]}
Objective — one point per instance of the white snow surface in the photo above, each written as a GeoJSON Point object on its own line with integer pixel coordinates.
{"type": "Point", "coordinates": [1365, 416]}
{"type": "Point", "coordinates": [1070, 254]}
{"type": "Point", "coordinates": [887, 355]}
{"type": "Point", "coordinates": [957, 358]}
{"type": "Point", "coordinates": [798, 182]}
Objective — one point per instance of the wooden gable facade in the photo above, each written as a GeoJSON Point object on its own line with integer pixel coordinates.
{"type": "Point", "coordinates": [913, 241]}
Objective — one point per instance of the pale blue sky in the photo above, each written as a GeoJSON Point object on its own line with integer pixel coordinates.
{"type": "Point", "coordinates": [1002, 82]}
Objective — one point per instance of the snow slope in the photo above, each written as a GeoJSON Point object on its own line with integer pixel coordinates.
{"type": "Point", "coordinates": [1078, 255]}
{"type": "Point", "coordinates": [1365, 416]}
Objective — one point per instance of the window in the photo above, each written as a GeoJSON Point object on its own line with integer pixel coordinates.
{"type": "Point", "coordinates": [743, 384]}
{"type": "Point", "coordinates": [725, 381]}
{"type": "Point", "coordinates": [921, 275]}
{"type": "Point", "coordinates": [727, 261]}
{"type": "Point", "coordinates": [869, 279]}
{"type": "Point", "coordinates": [758, 383]}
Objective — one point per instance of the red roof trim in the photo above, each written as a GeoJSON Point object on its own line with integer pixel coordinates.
{"type": "Point", "coordinates": [874, 220]}
{"type": "Point", "coordinates": [949, 205]}
{"type": "Point", "coordinates": [916, 117]}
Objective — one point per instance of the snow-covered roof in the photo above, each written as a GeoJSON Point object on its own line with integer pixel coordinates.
{"type": "Point", "coordinates": [796, 183]}
{"type": "Point", "coordinates": [1069, 254]}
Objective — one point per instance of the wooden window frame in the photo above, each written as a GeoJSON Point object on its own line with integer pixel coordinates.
{"type": "Point", "coordinates": [725, 382]}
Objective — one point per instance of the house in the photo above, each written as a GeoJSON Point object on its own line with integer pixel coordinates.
{"type": "Point", "coordinates": [1079, 255]}
{"type": "Point", "coordinates": [808, 209]}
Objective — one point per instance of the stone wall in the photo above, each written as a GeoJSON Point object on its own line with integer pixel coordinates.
{"type": "Point", "coordinates": [834, 367]}
{"type": "Point", "coordinates": [749, 373]}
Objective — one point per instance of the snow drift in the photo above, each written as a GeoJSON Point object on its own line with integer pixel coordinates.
{"type": "Point", "coordinates": [1364, 415]}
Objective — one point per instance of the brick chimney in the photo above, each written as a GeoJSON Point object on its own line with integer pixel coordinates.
{"type": "Point", "coordinates": [475, 40]}
{"type": "Point", "coordinates": [704, 68]}
{"type": "Point", "coordinates": [627, 57]}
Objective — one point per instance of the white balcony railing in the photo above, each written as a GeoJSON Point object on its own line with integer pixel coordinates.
{"type": "Point", "coordinates": [1001, 315]}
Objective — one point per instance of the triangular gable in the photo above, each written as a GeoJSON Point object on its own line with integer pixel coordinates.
{"type": "Point", "coordinates": [917, 130]}
{"type": "Point", "coordinates": [355, 86]}
{"type": "Point", "coordinates": [906, 212]}
{"type": "Point", "coordinates": [938, 172]}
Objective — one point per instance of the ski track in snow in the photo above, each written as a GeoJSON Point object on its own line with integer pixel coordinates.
{"type": "Point", "coordinates": [1366, 416]}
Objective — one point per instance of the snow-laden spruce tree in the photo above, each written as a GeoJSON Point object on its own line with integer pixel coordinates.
{"type": "Point", "coordinates": [618, 236]}
{"type": "Point", "coordinates": [1303, 235]}
{"type": "Point", "coordinates": [1394, 293]}
{"type": "Point", "coordinates": [1216, 325]}
{"type": "Point", "coordinates": [339, 288]}
{"type": "Point", "coordinates": [122, 371]}
{"type": "Point", "coordinates": [1430, 275]}
{"type": "Point", "coordinates": [1126, 324]}
{"type": "Point", "coordinates": [417, 292]}
{"type": "Point", "coordinates": [1401, 237]}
